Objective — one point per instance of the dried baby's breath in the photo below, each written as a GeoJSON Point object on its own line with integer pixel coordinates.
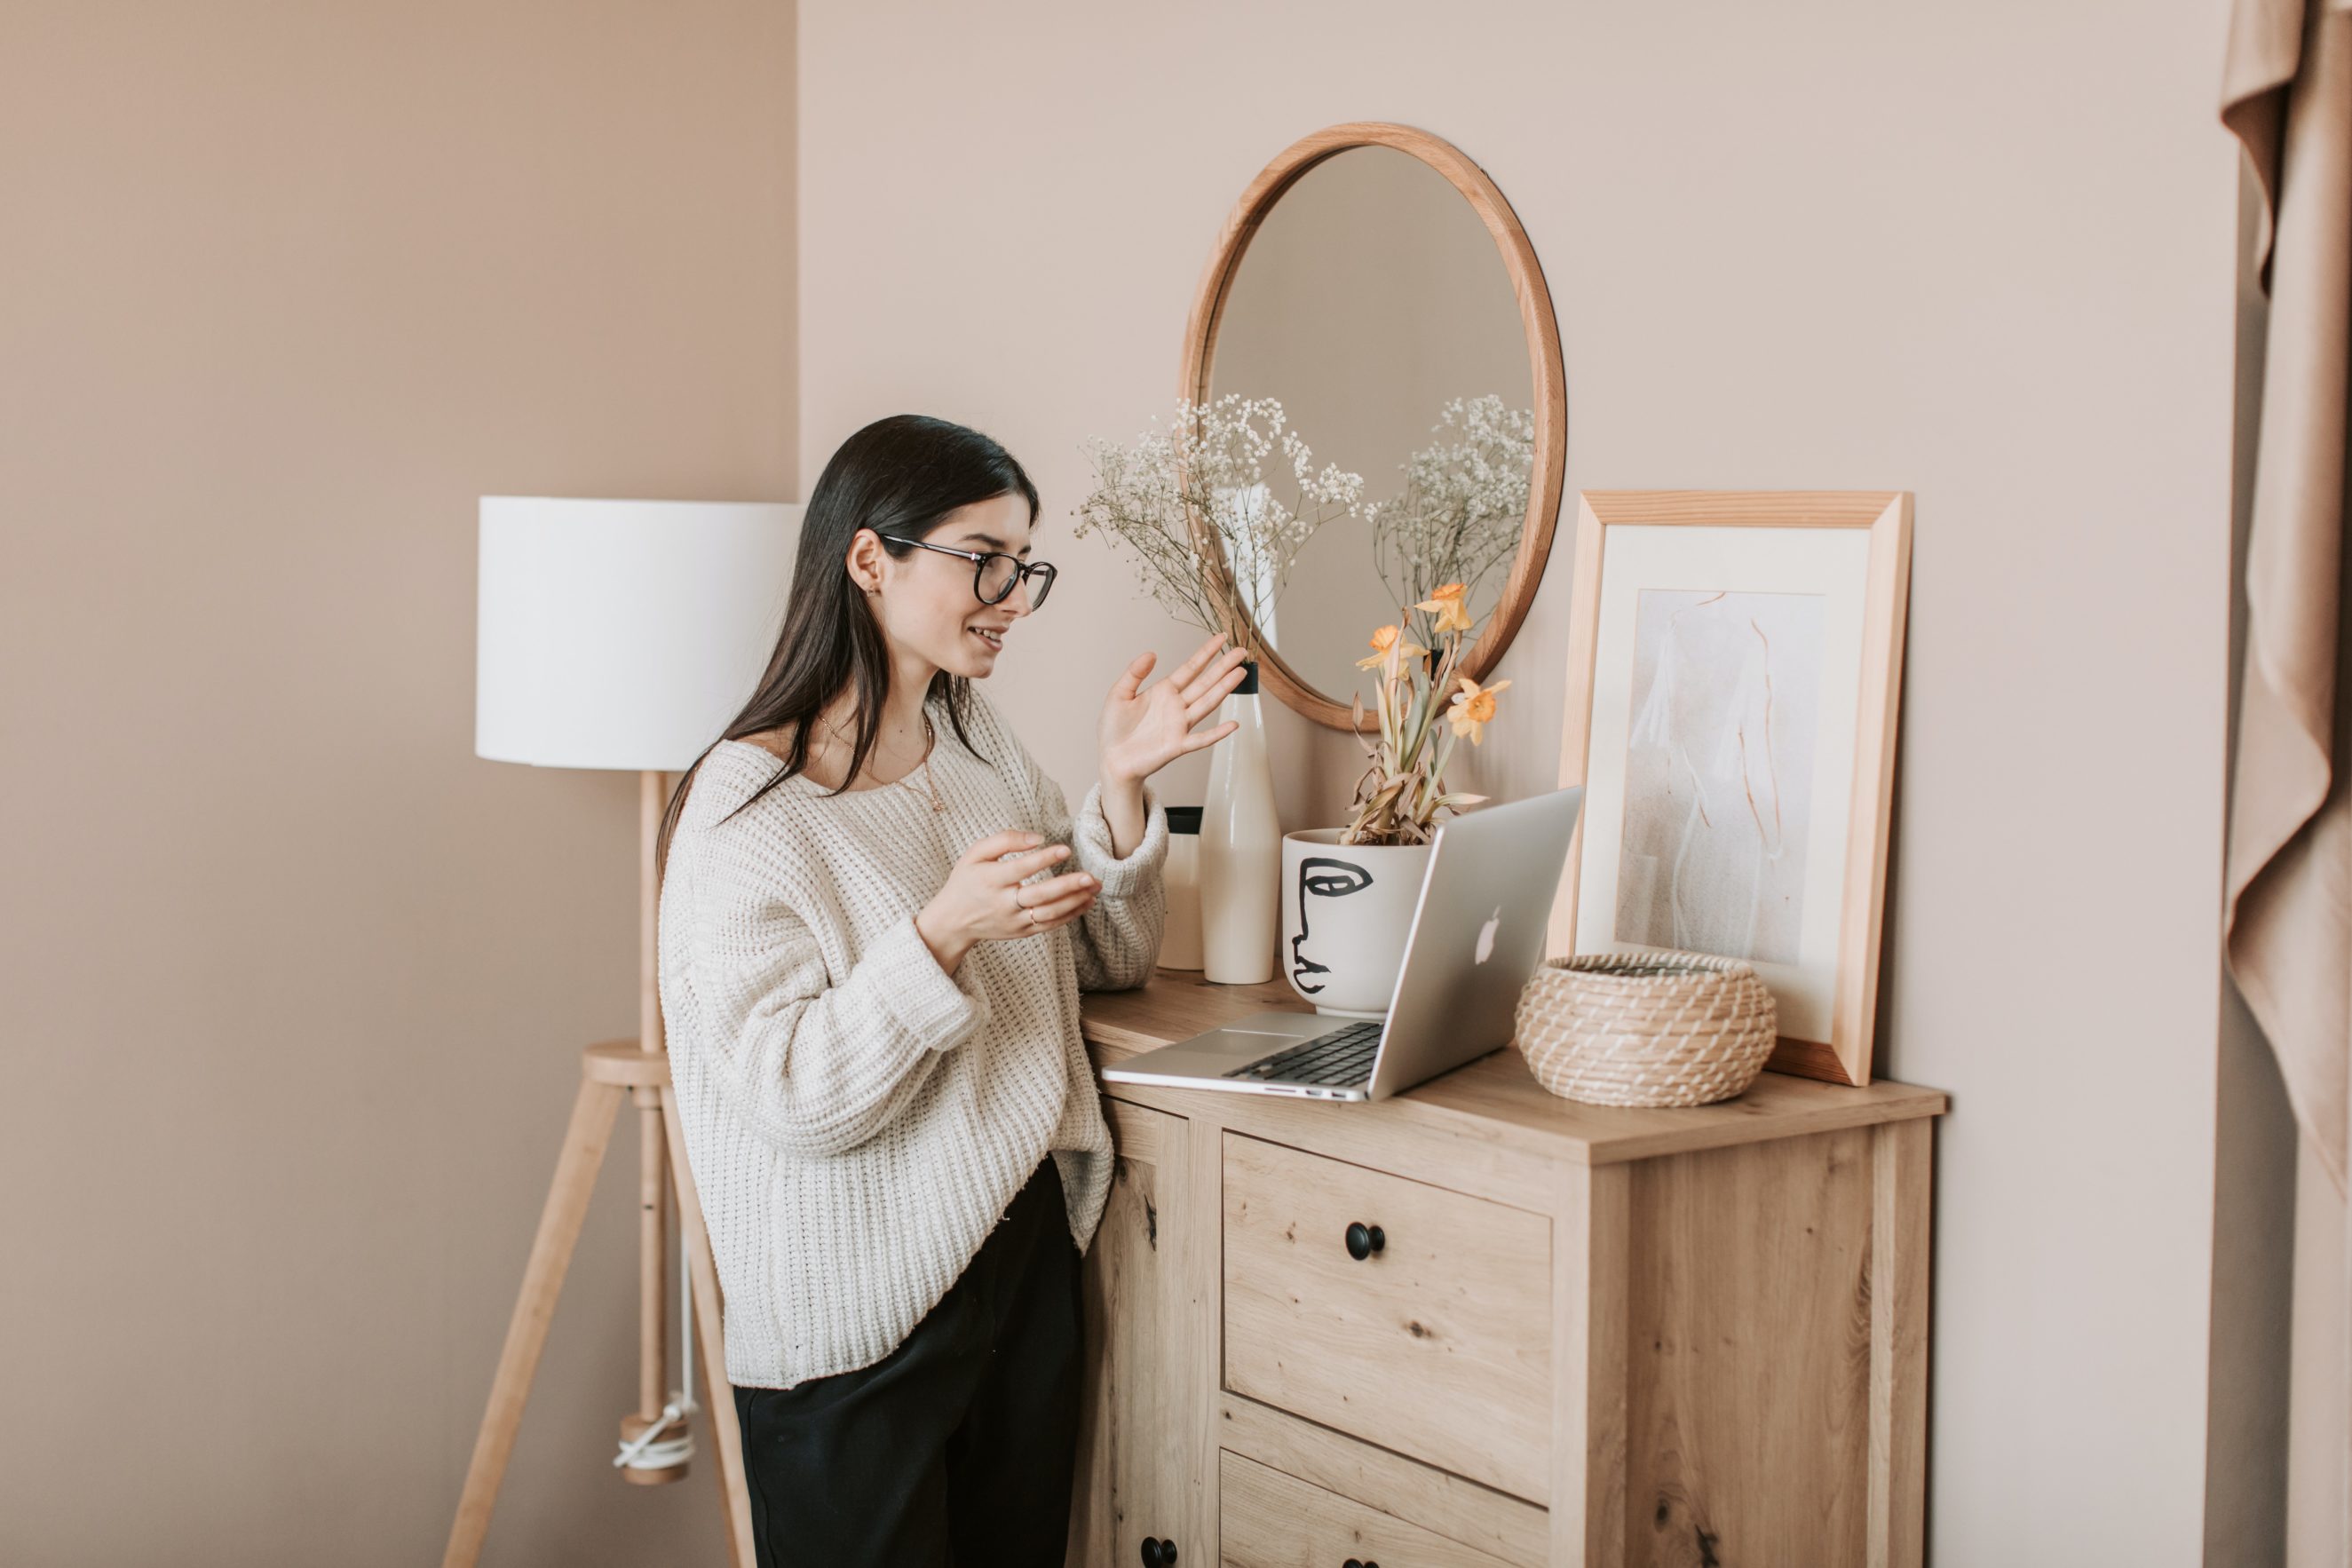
{"type": "Point", "coordinates": [1212, 463]}
{"type": "Point", "coordinates": [1463, 503]}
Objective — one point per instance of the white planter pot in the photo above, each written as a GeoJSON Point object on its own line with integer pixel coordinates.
{"type": "Point", "coordinates": [1346, 910]}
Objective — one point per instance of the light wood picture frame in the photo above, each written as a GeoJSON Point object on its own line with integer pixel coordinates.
{"type": "Point", "coordinates": [1734, 672]}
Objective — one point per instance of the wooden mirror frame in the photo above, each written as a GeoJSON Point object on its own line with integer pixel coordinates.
{"type": "Point", "coordinates": [1547, 379]}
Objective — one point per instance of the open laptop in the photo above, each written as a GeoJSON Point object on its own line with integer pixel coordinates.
{"type": "Point", "coordinates": [1477, 934]}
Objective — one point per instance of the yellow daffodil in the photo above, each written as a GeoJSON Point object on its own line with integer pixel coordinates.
{"type": "Point", "coordinates": [1472, 706]}
{"type": "Point", "coordinates": [1445, 604]}
{"type": "Point", "coordinates": [1384, 645]}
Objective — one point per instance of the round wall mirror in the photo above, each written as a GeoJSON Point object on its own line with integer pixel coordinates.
{"type": "Point", "coordinates": [1374, 282]}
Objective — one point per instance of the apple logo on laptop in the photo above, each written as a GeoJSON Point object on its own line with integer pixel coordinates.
{"type": "Point", "coordinates": [1487, 936]}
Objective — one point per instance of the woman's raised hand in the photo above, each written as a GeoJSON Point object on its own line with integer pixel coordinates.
{"type": "Point", "coordinates": [1145, 728]}
{"type": "Point", "coordinates": [982, 899]}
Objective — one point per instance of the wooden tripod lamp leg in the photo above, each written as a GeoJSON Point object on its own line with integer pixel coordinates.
{"type": "Point", "coordinates": [653, 795]}
{"type": "Point", "coordinates": [725, 1435]}
{"type": "Point", "coordinates": [652, 1421]}
{"type": "Point", "coordinates": [641, 1068]}
{"type": "Point", "coordinates": [584, 1142]}
{"type": "Point", "coordinates": [651, 1467]}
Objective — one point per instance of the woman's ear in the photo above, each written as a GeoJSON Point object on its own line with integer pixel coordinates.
{"type": "Point", "coordinates": [863, 562]}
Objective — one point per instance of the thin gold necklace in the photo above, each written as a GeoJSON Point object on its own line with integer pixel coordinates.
{"type": "Point", "coordinates": [930, 740]}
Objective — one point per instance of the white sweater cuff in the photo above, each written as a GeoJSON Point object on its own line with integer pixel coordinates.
{"type": "Point", "coordinates": [939, 1009]}
{"type": "Point", "coordinates": [1091, 831]}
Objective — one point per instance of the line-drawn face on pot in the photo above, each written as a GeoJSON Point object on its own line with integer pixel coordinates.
{"type": "Point", "coordinates": [1320, 876]}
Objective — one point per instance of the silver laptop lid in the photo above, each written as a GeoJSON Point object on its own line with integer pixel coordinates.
{"type": "Point", "coordinates": [1479, 933]}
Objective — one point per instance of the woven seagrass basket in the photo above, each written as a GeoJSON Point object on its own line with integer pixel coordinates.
{"type": "Point", "coordinates": [1616, 1028]}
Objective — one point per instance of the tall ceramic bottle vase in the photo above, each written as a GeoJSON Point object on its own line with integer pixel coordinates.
{"type": "Point", "coordinates": [1240, 849]}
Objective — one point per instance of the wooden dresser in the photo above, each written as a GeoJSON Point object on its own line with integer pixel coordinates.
{"type": "Point", "coordinates": [1478, 1325]}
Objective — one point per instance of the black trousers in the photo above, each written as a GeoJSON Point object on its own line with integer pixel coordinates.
{"type": "Point", "coordinates": [957, 1449]}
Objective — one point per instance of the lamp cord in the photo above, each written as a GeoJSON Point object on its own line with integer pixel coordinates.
{"type": "Point", "coordinates": [641, 1452]}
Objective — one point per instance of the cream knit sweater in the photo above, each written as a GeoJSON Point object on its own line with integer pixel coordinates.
{"type": "Point", "coordinates": [857, 1119]}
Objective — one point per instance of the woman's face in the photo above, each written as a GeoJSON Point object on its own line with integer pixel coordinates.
{"type": "Point", "coordinates": [927, 604]}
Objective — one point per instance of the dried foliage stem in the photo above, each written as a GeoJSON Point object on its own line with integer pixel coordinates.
{"type": "Point", "coordinates": [1402, 794]}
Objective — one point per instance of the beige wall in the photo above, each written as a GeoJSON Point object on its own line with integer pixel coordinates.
{"type": "Point", "coordinates": [1983, 253]}
{"type": "Point", "coordinates": [295, 986]}
{"type": "Point", "coordinates": [295, 983]}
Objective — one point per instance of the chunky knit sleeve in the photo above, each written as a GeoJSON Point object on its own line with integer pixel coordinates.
{"type": "Point", "coordinates": [812, 1064]}
{"type": "Point", "coordinates": [1117, 941]}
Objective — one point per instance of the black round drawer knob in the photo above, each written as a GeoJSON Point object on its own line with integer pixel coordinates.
{"type": "Point", "coordinates": [1363, 1240]}
{"type": "Point", "coordinates": [1159, 1553]}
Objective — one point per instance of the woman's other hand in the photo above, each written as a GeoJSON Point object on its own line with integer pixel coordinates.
{"type": "Point", "coordinates": [1145, 728]}
{"type": "Point", "coordinates": [983, 899]}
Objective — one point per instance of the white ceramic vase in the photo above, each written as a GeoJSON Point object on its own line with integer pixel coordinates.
{"type": "Point", "coordinates": [1179, 937]}
{"type": "Point", "coordinates": [1240, 849]}
{"type": "Point", "coordinates": [1347, 909]}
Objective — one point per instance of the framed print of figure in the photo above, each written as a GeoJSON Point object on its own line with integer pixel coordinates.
{"type": "Point", "coordinates": [1736, 661]}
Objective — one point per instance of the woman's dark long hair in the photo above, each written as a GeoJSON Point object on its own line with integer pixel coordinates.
{"type": "Point", "coordinates": [900, 477]}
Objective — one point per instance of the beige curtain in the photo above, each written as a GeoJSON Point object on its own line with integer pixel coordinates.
{"type": "Point", "coordinates": [2287, 916]}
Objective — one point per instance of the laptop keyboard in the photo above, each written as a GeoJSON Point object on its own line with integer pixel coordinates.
{"type": "Point", "coordinates": [1342, 1056]}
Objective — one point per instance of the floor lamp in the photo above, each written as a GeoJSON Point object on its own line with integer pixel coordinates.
{"type": "Point", "coordinates": [623, 634]}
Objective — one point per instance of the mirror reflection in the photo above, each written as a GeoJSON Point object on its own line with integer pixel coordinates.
{"type": "Point", "coordinates": [1373, 305]}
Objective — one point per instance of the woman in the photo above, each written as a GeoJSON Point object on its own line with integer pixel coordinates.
{"type": "Point", "coordinates": [869, 974]}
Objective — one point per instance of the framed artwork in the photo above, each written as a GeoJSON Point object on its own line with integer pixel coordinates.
{"type": "Point", "coordinates": [1734, 670]}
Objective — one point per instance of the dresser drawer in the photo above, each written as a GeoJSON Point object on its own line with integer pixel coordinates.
{"type": "Point", "coordinates": [1436, 1344]}
{"type": "Point", "coordinates": [1269, 1519]}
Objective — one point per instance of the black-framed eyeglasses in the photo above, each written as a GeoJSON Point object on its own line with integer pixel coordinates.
{"type": "Point", "coordinates": [993, 572]}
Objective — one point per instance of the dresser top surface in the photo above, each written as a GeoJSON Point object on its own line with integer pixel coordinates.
{"type": "Point", "coordinates": [1498, 1093]}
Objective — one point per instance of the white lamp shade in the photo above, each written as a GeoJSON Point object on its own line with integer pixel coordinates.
{"type": "Point", "coordinates": [623, 634]}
